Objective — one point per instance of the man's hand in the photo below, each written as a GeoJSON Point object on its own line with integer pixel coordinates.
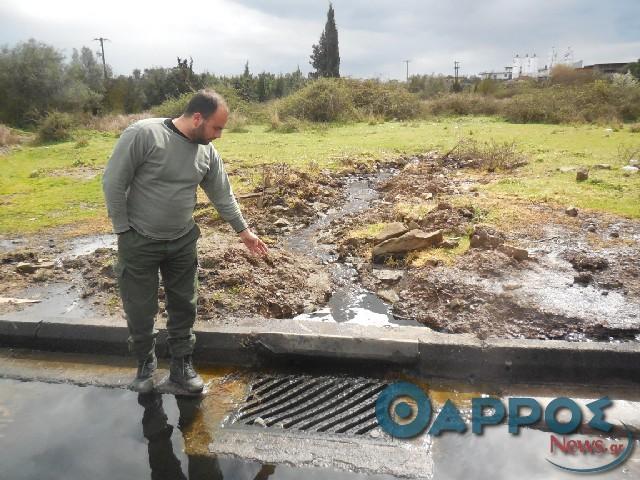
{"type": "Point", "coordinates": [253, 243]}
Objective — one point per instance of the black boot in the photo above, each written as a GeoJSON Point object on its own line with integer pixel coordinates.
{"type": "Point", "coordinates": [143, 383]}
{"type": "Point", "coordinates": [182, 373]}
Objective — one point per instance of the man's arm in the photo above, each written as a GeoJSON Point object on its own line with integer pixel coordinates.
{"type": "Point", "coordinates": [218, 188]}
{"type": "Point", "coordinates": [127, 155]}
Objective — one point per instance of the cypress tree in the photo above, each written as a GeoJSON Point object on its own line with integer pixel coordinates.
{"type": "Point", "coordinates": [326, 57]}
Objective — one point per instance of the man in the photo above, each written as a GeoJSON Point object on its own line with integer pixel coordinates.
{"type": "Point", "coordinates": [150, 187]}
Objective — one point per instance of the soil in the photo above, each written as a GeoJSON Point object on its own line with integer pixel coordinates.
{"type": "Point", "coordinates": [581, 280]}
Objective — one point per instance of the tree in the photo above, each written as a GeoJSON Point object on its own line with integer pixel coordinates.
{"type": "Point", "coordinates": [326, 57]}
{"type": "Point", "coordinates": [634, 68]}
{"type": "Point", "coordinates": [31, 79]}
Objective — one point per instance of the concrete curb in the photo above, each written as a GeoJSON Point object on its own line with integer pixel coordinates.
{"type": "Point", "coordinates": [417, 349]}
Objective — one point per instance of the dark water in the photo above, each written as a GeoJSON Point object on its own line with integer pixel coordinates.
{"type": "Point", "coordinates": [60, 431]}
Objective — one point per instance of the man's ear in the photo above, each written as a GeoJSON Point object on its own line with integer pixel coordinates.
{"type": "Point", "coordinates": [197, 119]}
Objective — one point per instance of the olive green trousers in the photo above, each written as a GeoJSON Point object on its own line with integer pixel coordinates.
{"type": "Point", "coordinates": [139, 260]}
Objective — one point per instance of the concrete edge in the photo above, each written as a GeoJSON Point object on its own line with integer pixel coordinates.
{"type": "Point", "coordinates": [426, 352]}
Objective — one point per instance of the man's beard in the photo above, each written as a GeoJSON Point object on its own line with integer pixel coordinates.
{"type": "Point", "coordinates": [198, 136]}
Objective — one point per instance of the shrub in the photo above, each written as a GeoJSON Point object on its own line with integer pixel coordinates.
{"type": "Point", "coordinates": [112, 123]}
{"type": "Point", "coordinates": [55, 127]}
{"type": "Point", "coordinates": [7, 137]}
{"type": "Point", "coordinates": [596, 102]}
{"type": "Point", "coordinates": [324, 100]}
{"type": "Point", "coordinates": [463, 104]}
{"type": "Point", "coordinates": [489, 155]}
{"type": "Point", "coordinates": [634, 128]}
{"type": "Point", "coordinates": [237, 123]}
{"type": "Point", "coordinates": [387, 100]}
{"type": "Point", "coordinates": [173, 107]}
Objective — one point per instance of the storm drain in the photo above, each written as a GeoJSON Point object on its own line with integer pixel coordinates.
{"type": "Point", "coordinates": [332, 405]}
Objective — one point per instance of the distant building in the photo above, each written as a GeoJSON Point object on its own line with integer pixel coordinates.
{"type": "Point", "coordinates": [608, 68]}
{"type": "Point", "coordinates": [505, 75]}
{"type": "Point", "coordinates": [529, 67]}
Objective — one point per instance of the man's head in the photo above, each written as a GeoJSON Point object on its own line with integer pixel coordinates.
{"type": "Point", "coordinates": [206, 116]}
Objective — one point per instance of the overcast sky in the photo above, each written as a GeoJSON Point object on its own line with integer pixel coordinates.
{"type": "Point", "coordinates": [375, 36]}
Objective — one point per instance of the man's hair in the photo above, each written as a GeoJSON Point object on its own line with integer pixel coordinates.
{"type": "Point", "coordinates": [205, 102]}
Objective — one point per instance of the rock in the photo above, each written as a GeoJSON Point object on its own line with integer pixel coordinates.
{"type": "Point", "coordinates": [514, 252]}
{"type": "Point", "coordinates": [412, 240]}
{"type": "Point", "coordinates": [388, 295]}
{"type": "Point", "coordinates": [413, 225]}
{"type": "Point", "coordinates": [466, 213]}
{"type": "Point", "coordinates": [278, 208]}
{"type": "Point", "coordinates": [591, 228]}
{"type": "Point", "coordinates": [24, 267]}
{"type": "Point", "coordinates": [511, 286]}
{"type": "Point", "coordinates": [602, 166]}
{"type": "Point", "coordinates": [614, 234]}
{"type": "Point", "coordinates": [72, 263]}
{"type": "Point", "coordinates": [571, 211]}
{"type": "Point", "coordinates": [485, 237]}
{"type": "Point", "coordinates": [450, 243]}
{"type": "Point", "coordinates": [281, 222]}
{"type": "Point", "coordinates": [391, 230]}
{"type": "Point", "coordinates": [582, 174]}
{"type": "Point", "coordinates": [582, 262]}
{"type": "Point", "coordinates": [387, 275]}
{"type": "Point", "coordinates": [630, 169]}
{"type": "Point", "coordinates": [566, 169]}
{"type": "Point", "coordinates": [583, 278]}
{"type": "Point", "coordinates": [634, 161]}
{"type": "Point", "coordinates": [319, 206]}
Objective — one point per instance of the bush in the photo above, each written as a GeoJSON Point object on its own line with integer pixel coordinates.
{"type": "Point", "coordinates": [323, 100]}
{"type": "Point", "coordinates": [173, 107]}
{"type": "Point", "coordinates": [634, 128]}
{"type": "Point", "coordinates": [237, 123]}
{"type": "Point", "coordinates": [387, 100]}
{"type": "Point", "coordinates": [463, 104]}
{"type": "Point", "coordinates": [596, 102]}
{"type": "Point", "coordinates": [55, 127]}
{"type": "Point", "coordinates": [489, 155]}
{"type": "Point", "coordinates": [332, 99]}
{"type": "Point", "coordinates": [111, 123]}
{"type": "Point", "coordinates": [7, 137]}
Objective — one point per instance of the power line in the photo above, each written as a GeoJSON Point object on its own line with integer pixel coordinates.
{"type": "Point", "coordinates": [104, 62]}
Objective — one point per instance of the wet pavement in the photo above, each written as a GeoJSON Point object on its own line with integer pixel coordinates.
{"type": "Point", "coordinates": [101, 430]}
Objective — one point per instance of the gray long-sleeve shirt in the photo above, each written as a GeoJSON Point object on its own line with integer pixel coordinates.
{"type": "Point", "coordinates": [151, 179]}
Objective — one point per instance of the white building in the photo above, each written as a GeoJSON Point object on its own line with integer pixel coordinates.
{"type": "Point", "coordinates": [525, 66]}
{"type": "Point", "coordinates": [529, 67]}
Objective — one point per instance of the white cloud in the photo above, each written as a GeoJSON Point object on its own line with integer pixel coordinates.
{"type": "Point", "coordinates": [375, 36]}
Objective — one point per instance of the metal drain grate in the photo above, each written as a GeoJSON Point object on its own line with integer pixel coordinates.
{"type": "Point", "coordinates": [313, 404]}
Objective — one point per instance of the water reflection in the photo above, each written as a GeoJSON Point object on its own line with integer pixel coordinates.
{"type": "Point", "coordinates": [163, 461]}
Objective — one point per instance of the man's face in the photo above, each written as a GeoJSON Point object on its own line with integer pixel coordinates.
{"type": "Point", "coordinates": [208, 129]}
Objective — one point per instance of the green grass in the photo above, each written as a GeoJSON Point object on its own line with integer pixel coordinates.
{"type": "Point", "coordinates": [34, 196]}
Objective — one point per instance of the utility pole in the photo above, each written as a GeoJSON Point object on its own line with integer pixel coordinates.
{"type": "Point", "coordinates": [407, 62]}
{"type": "Point", "coordinates": [104, 62]}
{"type": "Point", "coordinates": [456, 85]}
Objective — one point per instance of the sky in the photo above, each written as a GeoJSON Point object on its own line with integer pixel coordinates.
{"type": "Point", "coordinates": [375, 36]}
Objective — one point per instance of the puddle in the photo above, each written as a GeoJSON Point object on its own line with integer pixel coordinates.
{"type": "Point", "coordinates": [349, 302]}
{"type": "Point", "coordinates": [86, 245]}
{"type": "Point", "coordinates": [53, 431]}
{"type": "Point", "coordinates": [8, 245]}
{"type": "Point", "coordinates": [59, 301]}
{"type": "Point", "coordinates": [549, 286]}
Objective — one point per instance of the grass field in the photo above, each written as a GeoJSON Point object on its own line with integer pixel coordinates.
{"type": "Point", "coordinates": [42, 187]}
